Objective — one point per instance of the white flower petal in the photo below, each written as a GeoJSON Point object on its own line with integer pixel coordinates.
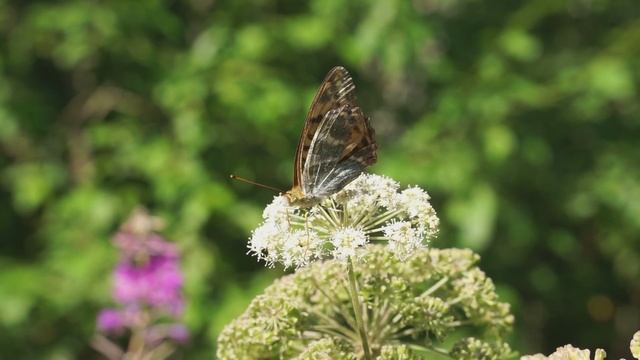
{"type": "Point", "coordinates": [278, 211]}
{"type": "Point", "coordinates": [346, 241]}
{"type": "Point", "coordinates": [403, 238]}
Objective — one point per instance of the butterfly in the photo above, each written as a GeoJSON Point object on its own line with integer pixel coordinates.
{"type": "Point", "coordinates": [336, 145]}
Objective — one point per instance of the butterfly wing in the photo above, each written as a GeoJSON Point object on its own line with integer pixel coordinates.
{"type": "Point", "coordinates": [342, 147]}
{"type": "Point", "coordinates": [335, 91]}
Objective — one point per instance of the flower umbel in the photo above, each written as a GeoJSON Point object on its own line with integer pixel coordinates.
{"type": "Point", "coordinates": [568, 352]}
{"type": "Point", "coordinates": [412, 309]}
{"type": "Point", "coordinates": [147, 286]}
{"type": "Point", "coordinates": [369, 210]}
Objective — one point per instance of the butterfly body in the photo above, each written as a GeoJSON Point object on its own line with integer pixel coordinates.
{"type": "Point", "coordinates": [336, 145]}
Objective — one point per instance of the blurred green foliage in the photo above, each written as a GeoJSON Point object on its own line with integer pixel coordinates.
{"type": "Point", "coordinates": [521, 118]}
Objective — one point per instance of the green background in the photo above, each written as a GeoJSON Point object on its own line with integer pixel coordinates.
{"type": "Point", "coordinates": [521, 118]}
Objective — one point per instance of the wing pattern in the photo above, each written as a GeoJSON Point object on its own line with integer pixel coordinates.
{"type": "Point", "coordinates": [341, 149]}
{"type": "Point", "coordinates": [336, 90]}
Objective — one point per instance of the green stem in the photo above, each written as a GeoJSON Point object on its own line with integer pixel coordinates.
{"type": "Point", "coordinates": [430, 349]}
{"type": "Point", "coordinates": [364, 215]}
{"type": "Point", "coordinates": [357, 309]}
{"type": "Point", "coordinates": [370, 226]}
{"type": "Point", "coordinates": [328, 216]}
{"type": "Point", "coordinates": [435, 286]}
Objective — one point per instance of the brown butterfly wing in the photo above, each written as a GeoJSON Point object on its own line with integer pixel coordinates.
{"type": "Point", "coordinates": [362, 137]}
{"type": "Point", "coordinates": [341, 149]}
{"type": "Point", "coordinates": [336, 90]}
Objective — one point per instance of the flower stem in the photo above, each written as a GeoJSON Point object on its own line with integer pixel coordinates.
{"type": "Point", "coordinates": [370, 226]}
{"type": "Point", "coordinates": [438, 351]}
{"type": "Point", "coordinates": [357, 309]}
{"type": "Point", "coordinates": [435, 286]}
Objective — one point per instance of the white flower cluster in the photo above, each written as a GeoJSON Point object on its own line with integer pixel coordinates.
{"type": "Point", "coordinates": [635, 345]}
{"type": "Point", "coordinates": [370, 209]}
{"type": "Point", "coordinates": [568, 352]}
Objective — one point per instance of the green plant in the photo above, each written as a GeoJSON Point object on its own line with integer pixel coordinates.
{"type": "Point", "coordinates": [434, 302]}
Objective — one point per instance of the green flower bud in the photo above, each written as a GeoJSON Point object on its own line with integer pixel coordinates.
{"type": "Point", "coordinates": [413, 308]}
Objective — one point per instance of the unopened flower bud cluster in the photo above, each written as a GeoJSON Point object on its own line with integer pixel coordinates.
{"type": "Point", "coordinates": [430, 301]}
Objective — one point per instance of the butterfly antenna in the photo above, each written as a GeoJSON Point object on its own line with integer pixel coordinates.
{"type": "Point", "coordinates": [255, 183]}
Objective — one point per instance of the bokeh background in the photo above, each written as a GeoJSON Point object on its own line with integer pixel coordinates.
{"type": "Point", "coordinates": [521, 118]}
